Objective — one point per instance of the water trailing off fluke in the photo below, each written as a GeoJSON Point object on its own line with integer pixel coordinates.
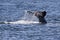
{"type": "Point", "coordinates": [28, 18]}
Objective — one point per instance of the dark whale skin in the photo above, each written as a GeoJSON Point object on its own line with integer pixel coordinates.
{"type": "Point", "coordinates": [41, 16]}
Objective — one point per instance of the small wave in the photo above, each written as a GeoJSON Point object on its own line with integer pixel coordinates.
{"type": "Point", "coordinates": [53, 24]}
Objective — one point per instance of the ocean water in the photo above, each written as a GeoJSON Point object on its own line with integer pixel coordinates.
{"type": "Point", "coordinates": [13, 11]}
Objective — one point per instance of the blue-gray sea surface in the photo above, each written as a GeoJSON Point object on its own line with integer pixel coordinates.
{"type": "Point", "coordinates": [13, 10]}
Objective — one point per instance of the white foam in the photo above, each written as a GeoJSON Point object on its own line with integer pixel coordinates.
{"type": "Point", "coordinates": [23, 22]}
